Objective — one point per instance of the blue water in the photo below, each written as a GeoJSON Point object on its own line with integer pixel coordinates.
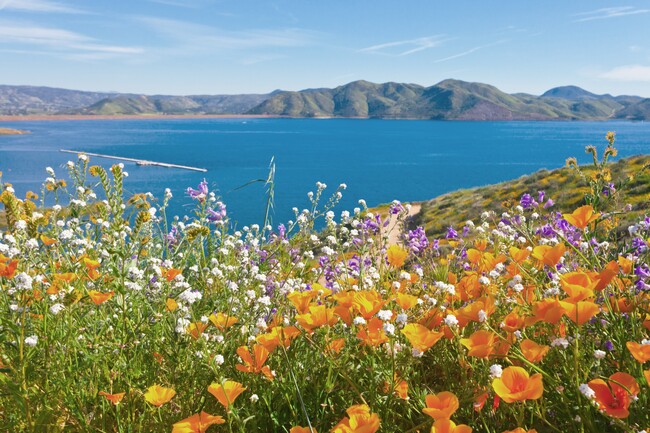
{"type": "Point", "coordinates": [379, 160]}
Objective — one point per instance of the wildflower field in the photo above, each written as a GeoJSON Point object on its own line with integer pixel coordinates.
{"type": "Point", "coordinates": [115, 318]}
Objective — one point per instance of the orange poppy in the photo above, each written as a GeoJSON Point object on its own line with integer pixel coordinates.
{"type": "Point", "coordinates": [406, 301]}
{"type": "Point", "coordinates": [255, 363]}
{"type": "Point", "coordinates": [170, 273]}
{"type": "Point", "coordinates": [299, 429]}
{"type": "Point", "coordinates": [197, 423]}
{"type": "Point", "coordinates": [532, 351]}
{"type": "Point", "coordinates": [319, 315]}
{"type": "Point", "coordinates": [640, 352]}
{"type": "Point", "coordinates": [625, 264]}
{"type": "Point", "coordinates": [278, 335]}
{"type": "Point", "coordinates": [336, 345]}
{"type": "Point", "coordinates": [196, 329]}
{"type": "Point", "coordinates": [171, 304]}
{"type": "Point", "coordinates": [99, 297]}
{"type": "Point", "coordinates": [367, 303]}
{"type": "Point", "coordinates": [9, 270]}
{"type": "Point", "coordinates": [445, 425]}
{"type": "Point", "coordinates": [226, 392]}
{"type": "Point", "coordinates": [301, 300]}
{"type": "Point", "coordinates": [158, 395]}
{"type": "Point", "coordinates": [519, 255]}
{"type": "Point", "coordinates": [580, 312]}
{"type": "Point", "coordinates": [577, 285]}
{"type": "Point", "coordinates": [359, 420]}
{"type": "Point", "coordinates": [606, 276]}
{"type": "Point", "coordinates": [581, 217]}
{"type": "Point", "coordinates": [400, 387]}
{"type": "Point", "coordinates": [222, 321]}
{"type": "Point", "coordinates": [421, 337]}
{"type": "Point", "coordinates": [512, 322]}
{"type": "Point", "coordinates": [480, 344]}
{"type": "Point", "coordinates": [614, 396]}
{"type": "Point", "coordinates": [646, 373]}
{"type": "Point", "coordinates": [441, 405]}
{"type": "Point", "coordinates": [549, 256]}
{"type": "Point", "coordinates": [47, 241]}
{"type": "Point", "coordinates": [396, 256]}
{"type": "Point", "coordinates": [516, 385]}
{"type": "Point", "coordinates": [546, 310]}
{"type": "Point", "coordinates": [373, 334]}
{"type": "Point", "coordinates": [113, 398]}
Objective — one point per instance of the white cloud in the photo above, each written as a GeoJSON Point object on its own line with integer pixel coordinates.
{"type": "Point", "coordinates": [470, 51]}
{"type": "Point", "coordinates": [38, 6]}
{"type": "Point", "coordinates": [628, 73]}
{"type": "Point", "coordinates": [606, 13]}
{"type": "Point", "coordinates": [59, 41]}
{"type": "Point", "coordinates": [405, 47]}
{"type": "Point", "coordinates": [193, 37]}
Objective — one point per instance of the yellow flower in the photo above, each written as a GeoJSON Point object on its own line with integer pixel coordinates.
{"type": "Point", "coordinates": [158, 395]}
{"type": "Point", "coordinates": [396, 256]}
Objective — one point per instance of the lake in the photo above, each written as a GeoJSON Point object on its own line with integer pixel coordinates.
{"type": "Point", "coordinates": [378, 160]}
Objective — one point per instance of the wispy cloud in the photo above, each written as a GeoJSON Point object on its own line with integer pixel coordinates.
{"type": "Point", "coordinates": [60, 41]}
{"type": "Point", "coordinates": [628, 73]}
{"type": "Point", "coordinates": [606, 13]}
{"type": "Point", "coordinates": [470, 51]}
{"type": "Point", "coordinates": [405, 47]}
{"type": "Point", "coordinates": [38, 6]}
{"type": "Point", "coordinates": [192, 37]}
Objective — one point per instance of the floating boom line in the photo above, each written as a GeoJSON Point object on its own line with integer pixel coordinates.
{"type": "Point", "coordinates": [137, 161]}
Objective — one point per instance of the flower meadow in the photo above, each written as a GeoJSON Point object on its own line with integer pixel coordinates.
{"type": "Point", "coordinates": [116, 318]}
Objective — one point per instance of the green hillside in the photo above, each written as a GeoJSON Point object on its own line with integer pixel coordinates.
{"type": "Point", "coordinates": [447, 100]}
{"type": "Point", "coordinates": [563, 185]}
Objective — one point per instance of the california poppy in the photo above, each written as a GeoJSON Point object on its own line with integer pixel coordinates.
{"type": "Point", "coordinates": [614, 396]}
{"type": "Point", "coordinates": [640, 352]}
{"type": "Point", "coordinates": [548, 255]}
{"type": "Point", "coordinates": [99, 297]}
{"type": "Point", "coordinates": [222, 321]}
{"type": "Point", "coordinates": [396, 256]}
{"type": "Point", "coordinates": [373, 334]}
{"type": "Point", "coordinates": [158, 395]}
{"type": "Point", "coordinates": [113, 398]}
{"type": "Point", "coordinates": [532, 351]}
{"type": "Point", "coordinates": [581, 217]}
{"type": "Point", "coordinates": [367, 303]}
{"type": "Point", "coordinates": [254, 363]}
{"type": "Point", "coordinates": [421, 337]}
{"type": "Point", "coordinates": [226, 392]}
{"type": "Point", "coordinates": [359, 420]}
{"type": "Point", "coordinates": [480, 344]}
{"type": "Point", "coordinates": [318, 315]}
{"type": "Point", "coordinates": [516, 385]}
{"type": "Point", "coordinates": [197, 423]}
{"type": "Point", "coordinates": [441, 405]}
{"type": "Point", "coordinates": [445, 425]}
{"type": "Point", "coordinates": [299, 429]}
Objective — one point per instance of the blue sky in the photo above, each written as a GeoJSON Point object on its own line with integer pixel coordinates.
{"type": "Point", "coordinates": [242, 46]}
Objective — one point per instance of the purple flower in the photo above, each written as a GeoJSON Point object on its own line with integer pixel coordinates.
{"type": "Point", "coordinates": [219, 214]}
{"type": "Point", "coordinates": [395, 207]}
{"type": "Point", "coordinates": [609, 189]}
{"type": "Point", "coordinates": [527, 201]}
{"type": "Point", "coordinates": [549, 203]}
{"type": "Point", "coordinates": [199, 194]}
{"type": "Point", "coordinates": [540, 196]}
{"type": "Point", "coordinates": [171, 236]}
{"type": "Point", "coordinates": [417, 240]}
{"type": "Point", "coordinates": [609, 346]}
{"type": "Point", "coordinates": [282, 231]}
{"type": "Point", "coordinates": [451, 233]}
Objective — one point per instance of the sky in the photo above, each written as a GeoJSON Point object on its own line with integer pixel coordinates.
{"type": "Point", "coordinates": [189, 47]}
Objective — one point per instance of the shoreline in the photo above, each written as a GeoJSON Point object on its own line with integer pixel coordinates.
{"type": "Point", "coordinates": [58, 117]}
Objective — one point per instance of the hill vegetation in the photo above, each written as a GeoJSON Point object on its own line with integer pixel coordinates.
{"type": "Point", "coordinates": [447, 100]}
{"type": "Point", "coordinates": [564, 185]}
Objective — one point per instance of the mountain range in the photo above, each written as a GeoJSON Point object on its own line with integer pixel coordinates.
{"type": "Point", "coordinates": [447, 100]}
